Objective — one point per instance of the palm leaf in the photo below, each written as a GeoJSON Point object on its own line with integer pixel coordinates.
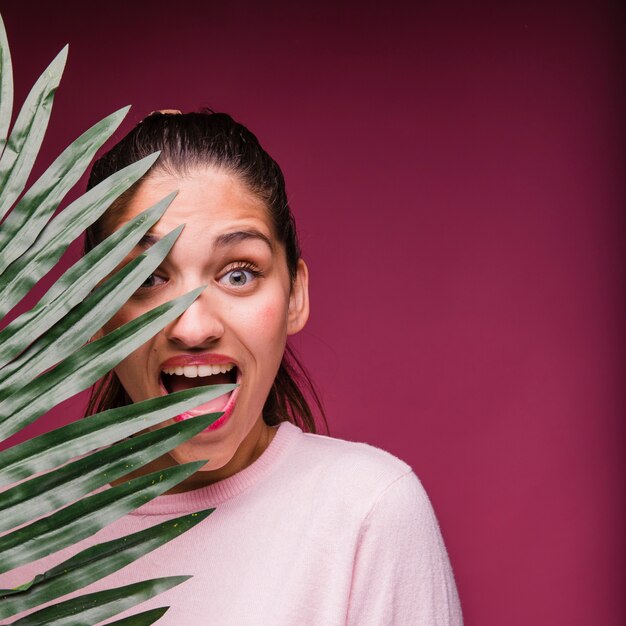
{"type": "Point", "coordinates": [23, 405]}
{"type": "Point", "coordinates": [145, 618]}
{"type": "Point", "coordinates": [33, 264]}
{"type": "Point", "coordinates": [73, 330]}
{"type": "Point", "coordinates": [96, 607]}
{"type": "Point", "coordinates": [93, 564]}
{"type": "Point", "coordinates": [56, 489]}
{"type": "Point", "coordinates": [141, 619]}
{"type": "Point", "coordinates": [76, 284]}
{"type": "Point", "coordinates": [6, 87]}
{"type": "Point", "coordinates": [40, 494]}
{"type": "Point", "coordinates": [86, 516]}
{"type": "Point", "coordinates": [27, 134]}
{"type": "Point", "coordinates": [31, 214]}
{"type": "Point", "coordinates": [55, 447]}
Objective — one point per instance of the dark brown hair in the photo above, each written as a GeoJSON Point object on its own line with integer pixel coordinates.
{"type": "Point", "coordinates": [197, 140]}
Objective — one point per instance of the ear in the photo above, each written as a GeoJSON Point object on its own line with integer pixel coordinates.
{"type": "Point", "coordinates": [299, 300]}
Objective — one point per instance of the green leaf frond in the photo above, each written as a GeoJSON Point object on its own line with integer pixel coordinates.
{"type": "Point", "coordinates": [56, 488]}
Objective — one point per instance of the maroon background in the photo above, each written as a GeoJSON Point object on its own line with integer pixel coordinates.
{"type": "Point", "coordinates": [456, 171]}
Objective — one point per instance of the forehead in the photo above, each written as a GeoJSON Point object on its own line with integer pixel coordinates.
{"type": "Point", "coordinates": [209, 201]}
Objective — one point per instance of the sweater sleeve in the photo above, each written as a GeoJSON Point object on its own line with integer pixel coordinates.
{"type": "Point", "coordinates": [402, 575]}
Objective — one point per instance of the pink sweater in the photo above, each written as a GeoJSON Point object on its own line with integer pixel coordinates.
{"type": "Point", "coordinates": [317, 531]}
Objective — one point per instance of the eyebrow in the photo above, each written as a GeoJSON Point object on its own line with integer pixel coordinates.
{"type": "Point", "coordinates": [221, 241]}
{"type": "Point", "coordinates": [228, 239]}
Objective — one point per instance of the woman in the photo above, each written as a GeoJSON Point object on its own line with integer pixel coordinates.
{"type": "Point", "coordinates": [307, 529]}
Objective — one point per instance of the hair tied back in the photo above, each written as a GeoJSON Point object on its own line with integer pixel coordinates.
{"type": "Point", "coordinates": [166, 112]}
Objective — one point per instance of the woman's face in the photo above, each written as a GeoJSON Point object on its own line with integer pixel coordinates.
{"type": "Point", "coordinates": [238, 326]}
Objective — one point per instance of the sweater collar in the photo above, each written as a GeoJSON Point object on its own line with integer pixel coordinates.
{"type": "Point", "coordinates": [230, 487]}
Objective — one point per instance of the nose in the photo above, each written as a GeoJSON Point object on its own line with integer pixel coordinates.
{"type": "Point", "coordinates": [199, 326]}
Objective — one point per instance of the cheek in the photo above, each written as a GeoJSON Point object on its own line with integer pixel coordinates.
{"type": "Point", "coordinates": [273, 328]}
{"type": "Point", "coordinates": [271, 320]}
{"type": "Point", "coordinates": [124, 315]}
{"type": "Point", "coordinates": [263, 329]}
{"type": "Point", "coordinates": [129, 369]}
{"type": "Point", "coordinates": [132, 373]}
{"type": "Point", "coordinates": [272, 315]}
{"type": "Point", "coordinates": [264, 314]}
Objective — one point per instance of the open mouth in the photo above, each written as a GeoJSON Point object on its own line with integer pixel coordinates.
{"type": "Point", "coordinates": [191, 376]}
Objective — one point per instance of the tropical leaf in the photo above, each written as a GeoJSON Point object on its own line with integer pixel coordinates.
{"type": "Point", "coordinates": [6, 87]}
{"type": "Point", "coordinates": [40, 494]}
{"type": "Point", "coordinates": [56, 486]}
{"type": "Point", "coordinates": [23, 405]}
{"type": "Point", "coordinates": [96, 607]}
{"type": "Point", "coordinates": [87, 516]}
{"type": "Point", "coordinates": [142, 619]}
{"type": "Point", "coordinates": [31, 214]}
{"type": "Point", "coordinates": [55, 447]}
{"type": "Point", "coordinates": [70, 333]}
{"type": "Point", "coordinates": [25, 139]}
{"type": "Point", "coordinates": [76, 284]}
{"type": "Point", "coordinates": [23, 273]}
{"type": "Point", "coordinates": [93, 564]}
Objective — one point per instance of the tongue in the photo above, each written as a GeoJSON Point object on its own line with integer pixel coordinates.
{"type": "Point", "coordinates": [212, 406]}
{"type": "Point", "coordinates": [179, 383]}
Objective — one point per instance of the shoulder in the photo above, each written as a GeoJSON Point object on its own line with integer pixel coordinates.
{"type": "Point", "coordinates": [359, 475]}
{"type": "Point", "coordinates": [350, 458]}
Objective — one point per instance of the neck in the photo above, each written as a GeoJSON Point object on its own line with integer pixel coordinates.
{"type": "Point", "coordinates": [248, 452]}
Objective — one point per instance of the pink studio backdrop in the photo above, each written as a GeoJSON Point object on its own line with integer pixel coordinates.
{"type": "Point", "coordinates": [456, 170]}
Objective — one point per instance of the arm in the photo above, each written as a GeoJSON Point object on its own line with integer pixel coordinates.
{"type": "Point", "coordinates": [402, 575]}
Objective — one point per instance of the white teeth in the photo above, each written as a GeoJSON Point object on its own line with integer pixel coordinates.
{"type": "Point", "coordinates": [193, 371]}
{"type": "Point", "coordinates": [190, 371]}
{"type": "Point", "coordinates": [205, 370]}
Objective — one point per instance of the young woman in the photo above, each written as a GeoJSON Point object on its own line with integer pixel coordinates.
{"type": "Point", "coordinates": [307, 529]}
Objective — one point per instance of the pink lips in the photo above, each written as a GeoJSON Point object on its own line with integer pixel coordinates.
{"type": "Point", "coordinates": [204, 359]}
{"type": "Point", "coordinates": [209, 358]}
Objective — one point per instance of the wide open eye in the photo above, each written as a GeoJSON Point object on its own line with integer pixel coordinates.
{"type": "Point", "coordinates": [238, 277]}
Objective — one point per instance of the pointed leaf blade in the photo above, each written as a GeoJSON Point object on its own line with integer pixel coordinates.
{"type": "Point", "coordinates": [96, 607]}
{"type": "Point", "coordinates": [23, 273]}
{"type": "Point", "coordinates": [25, 140]}
{"type": "Point", "coordinates": [69, 334]}
{"type": "Point", "coordinates": [77, 283]}
{"type": "Point", "coordinates": [87, 516]}
{"type": "Point", "coordinates": [55, 447]}
{"type": "Point", "coordinates": [30, 215]}
{"type": "Point", "coordinates": [94, 563]}
{"type": "Point", "coordinates": [145, 618]}
{"type": "Point", "coordinates": [86, 366]}
{"type": "Point", "coordinates": [44, 493]}
{"type": "Point", "coordinates": [6, 86]}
